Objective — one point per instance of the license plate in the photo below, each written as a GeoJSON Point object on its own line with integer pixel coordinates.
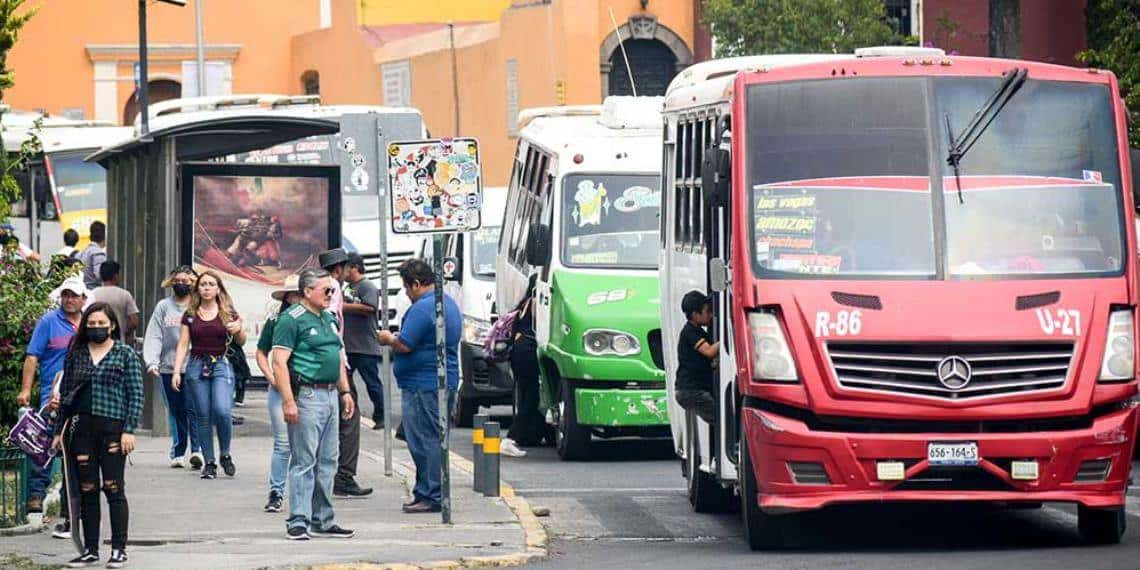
{"type": "Point", "coordinates": [957, 453]}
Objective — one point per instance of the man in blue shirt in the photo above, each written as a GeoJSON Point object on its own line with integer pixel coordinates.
{"type": "Point", "coordinates": [46, 351]}
{"type": "Point", "coordinates": [415, 370]}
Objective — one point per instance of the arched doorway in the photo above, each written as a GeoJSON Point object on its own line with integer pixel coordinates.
{"type": "Point", "coordinates": [656, 55]}
{"type": "Point", "coordinates": [654, 65]}
{"type": "Point", "coordinates": [159, 90]}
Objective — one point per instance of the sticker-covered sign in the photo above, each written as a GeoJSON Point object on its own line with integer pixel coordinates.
{"type": "Point", "coordinates": [436, 185]}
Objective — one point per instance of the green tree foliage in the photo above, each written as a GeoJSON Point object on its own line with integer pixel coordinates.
{"type": "Point", "coordinates": [1114, 43]}
{"type": "Point", "coordinates": [748, 27]}
{"type": "Point", "coordinates": [12, 20]}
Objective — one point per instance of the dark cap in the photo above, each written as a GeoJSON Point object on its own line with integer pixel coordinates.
{"type": "Point", "coordinates": [332, 257]}
{"type": "Point", "coordinates": [694, 301]}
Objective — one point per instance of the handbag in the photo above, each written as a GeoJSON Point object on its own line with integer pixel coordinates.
{"type": "Point", "coordinates": [497, 346]}
{"type": "Point", "coordinates": [32, 434]}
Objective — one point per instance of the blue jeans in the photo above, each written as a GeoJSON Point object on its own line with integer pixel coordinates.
{"type": "Point", "coordinates": [180, 414]}
{"type": "Point", "coordinates": [421, 429]}
{"type": "Point", "coordinates": [279, 457]}
{"type": "Point", "coordinates": [213, 402]}
{"type": "Point", "coordinates": [369, 368]}
{"type": "Point", "coordinates": [315, 443]}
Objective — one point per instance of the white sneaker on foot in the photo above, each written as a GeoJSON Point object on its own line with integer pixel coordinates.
{"type": "Point", "coordinates": [509, 448]}
{"type": "Point", "coordinates": [178, 463]}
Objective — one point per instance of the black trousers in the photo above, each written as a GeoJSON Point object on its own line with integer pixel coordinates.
{"type": "Point", "coordinates": [700, 402]}
{"type": "Point", "coordinates": [528, 425]}
{"type": "Point", "coordinates": [349, 433]}
{"type": "Point", "coordinates": [101, 464]}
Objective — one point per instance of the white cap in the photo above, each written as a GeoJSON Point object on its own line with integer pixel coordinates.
{"type": "Point", "coordinates": [74, 284]}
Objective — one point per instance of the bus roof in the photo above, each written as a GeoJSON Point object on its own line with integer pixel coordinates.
{"type": "Point", "coordinates": [59, 134]}
{"type": "Point", "coordinates": [707, 82]}
{"type": "Point", "coordinates": [203, 109]}
{"type": "Point", "coordinates": [623, 134]}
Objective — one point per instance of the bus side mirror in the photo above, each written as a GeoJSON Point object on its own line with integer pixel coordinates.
{"type": "Point", "coordinates": [716, 176]}
{"type": "Point", "coordinates": [538, 246]}
{"type": "Point", "coordinates": [718, 275]}
{"type": "Point", "coordinates": [452, 269]}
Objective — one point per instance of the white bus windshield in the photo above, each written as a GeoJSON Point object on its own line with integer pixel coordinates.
{"type": "Point", "coordinates": [611, 220]}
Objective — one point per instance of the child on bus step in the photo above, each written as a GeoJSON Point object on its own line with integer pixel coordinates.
{"type": "Point", "coordinates": [696, 358]}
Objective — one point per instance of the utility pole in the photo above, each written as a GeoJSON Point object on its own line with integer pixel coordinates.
{"type": "Point", "coordinates": [454, 77]}
{"type": "Point", "coordinates": [201, 64]}
{"type": "Point", "coordinates": [144, 91]}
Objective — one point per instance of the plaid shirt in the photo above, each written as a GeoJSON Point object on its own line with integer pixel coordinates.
{"type": "Point", "coordinates": [116, 384]}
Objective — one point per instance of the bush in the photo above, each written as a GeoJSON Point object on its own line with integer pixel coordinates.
{"type": "Point", "coordinates": [25, 295]}
{"type": "Point", "coordinates": [1114, 42]}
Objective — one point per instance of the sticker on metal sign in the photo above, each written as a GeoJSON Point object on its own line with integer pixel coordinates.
{"type": "Point", "coordinates": [437, 185]}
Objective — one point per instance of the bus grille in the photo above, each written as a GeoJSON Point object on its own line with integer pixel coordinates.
{"type": "Point", "coordinates": [372, 269]}
{"type": "Point", "coordinates": [951, 371]}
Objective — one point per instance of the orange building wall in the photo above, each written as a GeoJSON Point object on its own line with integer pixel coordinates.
{"type": "Point", "coordinates": [54, 72]}
{"type": "Point", "coordinates": [341, 56]}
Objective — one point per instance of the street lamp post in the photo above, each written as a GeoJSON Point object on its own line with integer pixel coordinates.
{"type": "Point", "coordinates": [144, 82]}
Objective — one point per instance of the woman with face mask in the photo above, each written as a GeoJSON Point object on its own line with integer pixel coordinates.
{"type": "Point", "coordinates": [209, 324]}
{"type": "Point", "coordinates": [159, 350]}
{"type": "Point", "coordinates": [289, 295]}
{"type": "Point", "coordinates": [101, 401]}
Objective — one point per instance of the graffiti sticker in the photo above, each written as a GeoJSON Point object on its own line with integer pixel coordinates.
{"type": "Point", "coordinates": [437, 186]}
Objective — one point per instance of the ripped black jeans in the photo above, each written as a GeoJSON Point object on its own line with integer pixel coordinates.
{"type": "Point", "coordinates": [101, 463]}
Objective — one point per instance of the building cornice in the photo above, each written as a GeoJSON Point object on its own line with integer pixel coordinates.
{"type": "Point", "coordinates": [160, 51]}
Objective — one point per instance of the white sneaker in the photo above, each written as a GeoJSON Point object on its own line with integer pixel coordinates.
{"type": "Point", "coordinates": [509, 448]}
{"type": "Point", "coordinates": [178, 463]}
{"type": "Point", "coordinates": [196, 461]}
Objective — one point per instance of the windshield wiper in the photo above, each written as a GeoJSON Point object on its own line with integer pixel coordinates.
{"type": "Point", "coordinates": [1012, 81]}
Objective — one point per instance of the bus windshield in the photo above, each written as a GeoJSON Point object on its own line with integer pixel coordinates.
{"type": "Point", "coordinates": [485, 247]}
{"type": "Point", "coordinates": [79, 185]}
{"type": "Point", "coordinates": [611, 220]}
{"type": "Point", "coordinates": [840, 175]}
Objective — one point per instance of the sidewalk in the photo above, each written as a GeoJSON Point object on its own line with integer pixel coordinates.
{"type": "Point", "coordinates": [180, 521]}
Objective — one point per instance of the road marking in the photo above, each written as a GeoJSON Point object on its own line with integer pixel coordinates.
{"type": "Point", "coordinates": [596, 490]}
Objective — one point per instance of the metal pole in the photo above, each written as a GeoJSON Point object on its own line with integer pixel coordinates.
{"type": "Point", "coordinates": [201, 60]}
{"type": "Point", "coordinates": [385, 352]}
{"type": "Point", "coordinates": [144, 92]}
{"type": "Point", "coordinates": [491, 459]}
{"type": "Point", "coordinates": [441, 376]}
{"type": "Point", "coordinates": [477, 438]}
{"type": "Point", "coordinates": [454, 76]}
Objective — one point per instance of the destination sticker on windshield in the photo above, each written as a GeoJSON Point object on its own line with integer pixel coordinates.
{"type": "Point", "coordinates": [809, 263]}
{"type": "Point", "coordinates": [785, 202]}
{"type": "Point", "coordinates": [791, 224]}
{"type": "Point", "coordinates": [1059, 322]}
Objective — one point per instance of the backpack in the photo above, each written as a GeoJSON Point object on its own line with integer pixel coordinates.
{"type": "Point", "coordinates": [500, 339]}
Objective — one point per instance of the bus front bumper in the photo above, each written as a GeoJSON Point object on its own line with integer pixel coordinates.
{"type": "Point", "coordinates": [788, 458]}
{"type": "Point", "coordinates": [620, 407]}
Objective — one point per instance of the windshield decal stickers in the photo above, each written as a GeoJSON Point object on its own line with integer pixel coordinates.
{"type": "Point", "coordinates": [845, 323]}
{"type": "Point", "coordinates": [637, 197]}
{"type": "Point", "coordinates": [610, 220]}
{"type": "Point", "coordinates": [1059, 322]}
{"type": "Point", "coordinates": [591, 199]}
{"type": "Point", "coordinates": [808, 263]}
{"type": "Point", "coordinates": [1092, 176]}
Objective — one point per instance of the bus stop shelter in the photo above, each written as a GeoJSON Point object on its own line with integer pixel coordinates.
{"type": "Point", "coordinates": [144, 200]}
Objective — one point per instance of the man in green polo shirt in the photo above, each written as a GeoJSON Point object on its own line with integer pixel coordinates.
{"type": "Point", "coordinates": [307, 351]}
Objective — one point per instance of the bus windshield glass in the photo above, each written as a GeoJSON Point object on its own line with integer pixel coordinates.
{"type": "Point", "coordinates": [79, 185]}
{"type": "Point", "coordinates": [611, 220]}
{"type": "Point", "coordinates": [841, 182]}
{"type": "Point", "coordinates": [485, 247]}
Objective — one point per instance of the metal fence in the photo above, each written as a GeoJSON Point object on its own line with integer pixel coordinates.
{"type": "Point", "coordinates": [14, 473]}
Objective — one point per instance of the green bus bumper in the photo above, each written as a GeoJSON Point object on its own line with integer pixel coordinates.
{"type": "Point", "coordinates": [621, 407]}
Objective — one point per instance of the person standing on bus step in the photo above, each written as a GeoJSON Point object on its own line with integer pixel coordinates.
{"type": "Point", "coordinates": [696, 358]}
{"type": "Point", "coordinates": [528, 425]}
{"type": "Point", "coordinates": [47, 351]}
{"type": "Point", "coordinates": [415, 369]}
{"type": "Point", "coordinates": [159, 349]}
{"type": "Point", "coordinates": [70, 240]}
{"type": "Point", "coordinates": [120, 300]}
{"type": "Point", "coordinates": [209, 324]}
{"type": "Point", "coordinates": [308, 356]}
{"type": "Point", "coordinates": [102, 389]}
{"type": "Point", "coordinates": [279, 457]}
{"type": "Point", "coordinates": [94, 254]}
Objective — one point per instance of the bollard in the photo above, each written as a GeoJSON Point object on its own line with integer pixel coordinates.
{"type": "Point", "coordinates": [491, 459]}
{"type": "Point", "coordinates": [477, 443]}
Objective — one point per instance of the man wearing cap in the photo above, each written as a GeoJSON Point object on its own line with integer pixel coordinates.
{"type": "Point", "coordinates": [696, 358]}
{"type": "Point", "coordinates": [47, 350]}
{"type": "Point", "coordinates": [335, 261]}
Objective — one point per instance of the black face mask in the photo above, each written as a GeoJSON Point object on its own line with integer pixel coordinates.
{"type": "Point", "coordinates": [181, 289]}
{"type": "Point", "coordinates": [98, 335]}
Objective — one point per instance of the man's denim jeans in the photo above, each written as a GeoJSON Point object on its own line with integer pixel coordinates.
{"type": "Point", "coordinates": [213, 402]}
{"type": "Point", "coordinates": [315, 443]}
{"type": "Point", "coordinates": [421, 429]}
{"type": "Point", "coordinates": [279, 458]}
{"type": "Point", "coordinates": [368, 367]}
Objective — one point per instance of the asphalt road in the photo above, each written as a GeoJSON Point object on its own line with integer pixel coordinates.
{"type": "Point", "coordinates": [629, 509]}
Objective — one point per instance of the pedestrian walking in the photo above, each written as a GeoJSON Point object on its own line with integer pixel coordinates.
{"type": "Point", "coordinates": [335, 261]}
{"type": "Point", "coordinates": [415, 370]}
{"type": "Point", "coordinates": [289, 296]}
{"type": "Point", "coordinates": [209, 324]}
{"type": "Point", "coordinates": [102, 393]}
{"type": "Point", "coordinates": [120, 300]}
{"type": "Point", "coordinates": [70, 240]}
{"type": "Point", "coordinates": [46, 352]}
{"type": "Point", "coordinates": [160, 347]}
{"type": "Point", "coordinates": [696, 357]}
{"type": "Point", "coordinates": [528, 425]}
{"type": "Point", "coordinates": [94, 254]}
{"type": "Point", "coordinates": [308, 356]}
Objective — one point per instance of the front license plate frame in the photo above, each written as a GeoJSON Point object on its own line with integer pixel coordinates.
{"type": "Point", "coordinates": [952, 453]}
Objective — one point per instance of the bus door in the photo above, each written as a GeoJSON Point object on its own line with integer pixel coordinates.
{"type": "Point", "coordinates": [35, 208]}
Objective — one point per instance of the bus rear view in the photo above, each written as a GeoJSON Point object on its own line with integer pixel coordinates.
{"type": "Point", "coordinates": [933, 287]}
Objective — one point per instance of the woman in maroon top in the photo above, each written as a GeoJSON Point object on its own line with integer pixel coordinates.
{"type": "Point", "coordinates": [208, 326]}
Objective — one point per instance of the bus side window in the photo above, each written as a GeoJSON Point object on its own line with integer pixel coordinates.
{"type": "Point", "coordinates": [20, 206]}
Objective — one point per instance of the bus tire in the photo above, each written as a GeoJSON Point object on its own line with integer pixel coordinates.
{"type": "Point", "coordinates": [464, 413]}
{"type": "Point", "coordinates": [706, 494]}
{"type": "Point", "coordinates": [1101, 526]}
{"type": "Point", "coordinates": [761, 530]}
{"type": "Point", "coordinates": [572, 440]}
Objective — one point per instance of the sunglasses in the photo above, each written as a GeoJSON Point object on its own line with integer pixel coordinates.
{"type": "Point", "coordinates": [329, 291]}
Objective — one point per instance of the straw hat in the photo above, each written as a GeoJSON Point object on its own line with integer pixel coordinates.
{"type": "Point", "coordinates": [292, 283]}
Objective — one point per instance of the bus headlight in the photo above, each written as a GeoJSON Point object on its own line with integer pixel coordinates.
{"type": "Point", "coordinates": [475, 330]}
{"type": "Point", "coordinates": [1119, 348]}
{"type": "Point", "coordinates": [601, 342]}
{"type": "Point", "coordinates": [771, 358]}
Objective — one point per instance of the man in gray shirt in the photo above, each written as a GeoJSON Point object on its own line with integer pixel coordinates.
{"type": "Point", "coordinates": [361, 298]}
{"type": "Point", "coordinates": [120, 300]}
{"type": "Point", "coordinates": [94, 255]}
